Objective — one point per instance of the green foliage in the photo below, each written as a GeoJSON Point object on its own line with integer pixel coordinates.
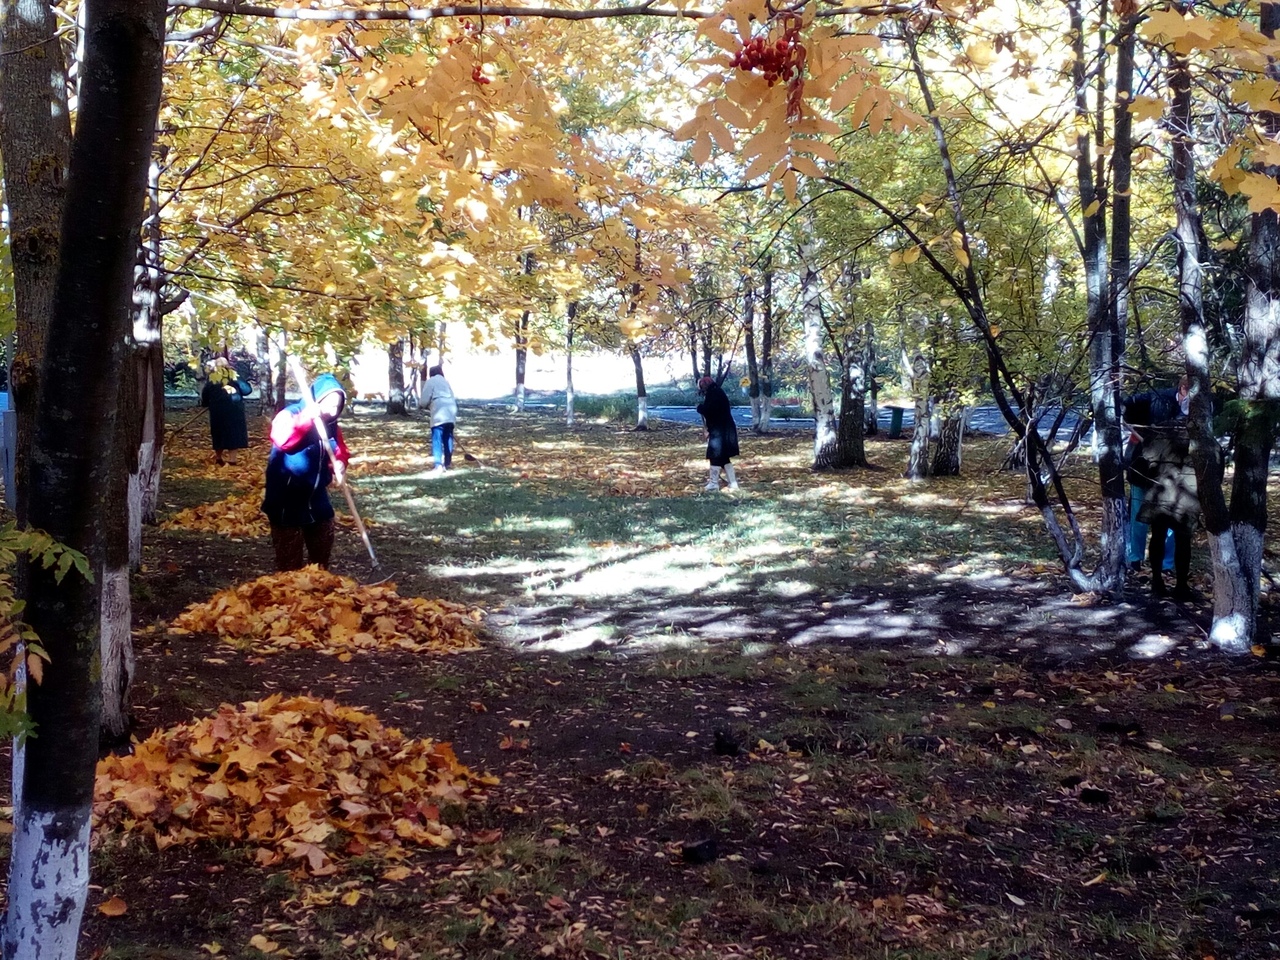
{"type": "Point", "coordinates": [16, 638]}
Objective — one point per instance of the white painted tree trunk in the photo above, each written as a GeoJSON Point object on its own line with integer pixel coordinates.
{"type": "Point", "coordinates": [48, 885]}
{"type": "Point", "coordinates": [1235, 579]}
{"type": "Point", "coordinates": [117, 651]}
{"type": "Point", "coordinates": [144, 495]}
{"type": "Point", "coordinates": [642, 413]}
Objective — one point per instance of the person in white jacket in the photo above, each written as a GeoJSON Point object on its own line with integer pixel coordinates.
{"type": "Point", "coordinates": [438, 400]}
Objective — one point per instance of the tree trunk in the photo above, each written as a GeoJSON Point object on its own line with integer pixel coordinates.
{"type": "Point", "coordinates": [522, 358]}
{"type": "Point", "coordinates": [766, 351]}
{"type": "Point", "coordinates": [749, 337]}
{"type": "Point", "coordinates": [115, 604]}
{"type": "Point", "coordinates": [851, 448]}
{"type": "Point", "coordinates": [266, 384]}
{"type": "Point", "coordinates": [118, 103]}
{"type": "Point", "coordinates": [642, 398]}
{"type": "Point", "coordinates": [825, 436]}
{"type": "Point", "coordinates": [918, 377]}
{"type": "Point", "coordinates": [1235, 594]}
{"type": "Point", "coordinates": [946, 455]}
{"type": "Point", "coordinates": [1106, 346]}
{"type": "Point", "coordinates": [147, 401]}
{"type": "Point", "coordinates": [693, 349]}
{"type": "Point", "coordinates": [396, 405]}
{"type": "Point", "coordinates": [871, 408]}
{"type": "Point", "coordinates": [570, 316]}
{"type": "Point", "coordinates": [35, 138]}
{"type": "Point", "coordinates": [282, 373]}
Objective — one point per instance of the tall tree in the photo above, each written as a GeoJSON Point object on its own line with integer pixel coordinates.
{"type": "Point", "coordinates": [118, 103]}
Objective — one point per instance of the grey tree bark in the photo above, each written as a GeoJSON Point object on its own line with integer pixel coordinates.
{"type": "Point", "coordinates": [396, 404]}
{"type": "Point", "coordinates": [98, 241]}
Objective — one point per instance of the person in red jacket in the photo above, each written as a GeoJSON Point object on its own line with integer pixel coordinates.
{"type": "Point", "coordinates": [299, 471]}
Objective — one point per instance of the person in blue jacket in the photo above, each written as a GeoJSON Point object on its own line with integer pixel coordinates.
{"type": "Point", "coordinates": [299, 472]}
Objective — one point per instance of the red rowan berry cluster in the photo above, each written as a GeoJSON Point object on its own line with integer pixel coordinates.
{"type": "Point", "coordinates": [780, 58]}
{"type": "Point", "coordinates": [477, 74]}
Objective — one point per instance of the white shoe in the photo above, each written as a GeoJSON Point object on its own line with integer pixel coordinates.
{"type": "Point", "coordinates": [712, 485]}
{"type": "Point", "coordinates": [436, 471]}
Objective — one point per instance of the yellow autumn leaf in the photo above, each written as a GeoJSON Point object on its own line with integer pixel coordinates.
{"type": "Point", "coordinates": [1092, 208]}
{"type": "Point", "coordinates": [911, 254]}
{"type": "Point", "coordinates": [261, 943]}
{"type": "Point", "coordinates": [115, 907]}
{"type": "Point", "coordinates": [351, 898]}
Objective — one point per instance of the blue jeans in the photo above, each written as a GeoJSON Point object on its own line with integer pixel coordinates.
{"type": "Point", "coordinates": [442, 445]}
{"type": "Point", "coordinates": [1137, 552]}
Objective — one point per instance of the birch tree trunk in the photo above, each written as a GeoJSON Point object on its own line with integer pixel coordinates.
{"type": "Point", "coordinates": [916, 373]}
{"type": "Point", "coordinates": [871, 408]}
{"type": "Point", "coordinates": [766, 351]}
{"type": "Point", "coordinates": [118, 104]}
{"type": "Point", "coordinates": [825, 436]}
{"type": "Point", "coordinates": [749, 338]}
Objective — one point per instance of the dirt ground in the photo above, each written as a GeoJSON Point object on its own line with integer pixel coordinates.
{"type": "Point", "coordinates": [782, 724]}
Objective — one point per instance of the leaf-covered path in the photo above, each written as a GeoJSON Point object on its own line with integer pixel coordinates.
{"type": "Point", "coordinates": [829, 717]}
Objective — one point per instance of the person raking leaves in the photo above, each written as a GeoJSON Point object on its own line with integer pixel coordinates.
{"type": "Point", "coordinates": [299, 473]}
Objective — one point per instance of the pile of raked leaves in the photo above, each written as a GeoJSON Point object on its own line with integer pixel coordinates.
{"type": "Point", "coordinates": [314, 609]}
{"type": "Point", "coordinates": [287, 776]}
{"type": "Point", "coordinates": [236, 515]}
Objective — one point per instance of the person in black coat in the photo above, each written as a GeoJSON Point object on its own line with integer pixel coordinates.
{"type": "Point", "coordinates": [1150, 409]}
{"type": "Point", "coordinates": [722, 432]}
{"type": "Point", "coordinates": [1170, 502]}
{"type": "Point", "coordinates": [224, 395]}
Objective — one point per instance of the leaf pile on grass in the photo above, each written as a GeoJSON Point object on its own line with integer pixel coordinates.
{"type": "Point", "coordinates": [317, 610]}
{"type": "Point", "coordinates": [238, 515]}
{"type": "Point", "coordinates": [302, 778]}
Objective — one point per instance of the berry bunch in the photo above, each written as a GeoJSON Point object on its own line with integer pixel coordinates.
{"type": "Point", "coordinates": [477, 75]}
{"type": "Point", "coordinates": [778, 56]}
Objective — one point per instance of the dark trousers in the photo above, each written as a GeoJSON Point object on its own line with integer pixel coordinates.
{"type": "Point", "coordinates": [315, 538]}
{"type": "Point", "coordinates": [1181, 554]}
{"type": "Point", "coordinates": [442, 445]}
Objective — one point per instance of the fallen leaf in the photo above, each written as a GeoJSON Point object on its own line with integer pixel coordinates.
{"type": "Point", "coordinates": [259, 942]}
{"type": "Point", "coordinates": [1017, 901]}
{"type": "Point", "coordinates": [115, 907]}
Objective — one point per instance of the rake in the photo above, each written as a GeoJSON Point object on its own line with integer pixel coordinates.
{"type": "Point", "coordinates": [305, 386]}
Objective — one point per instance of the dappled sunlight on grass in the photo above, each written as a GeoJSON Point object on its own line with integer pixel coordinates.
{"type": "Point", "coordinates": [600, 527]}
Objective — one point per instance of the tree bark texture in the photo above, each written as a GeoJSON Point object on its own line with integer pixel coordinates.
{"type": "Point", "coordinates": [825, 437]}
{"type": "Point", "coordinates": [571, 316]}
{"type": "Point", "coordinates": [766, 351]}
{"type": "Point", "coordinates": [851, 448]}
{"type": "Point", "coordinates": [396, 404]}
{"type": "Point", "coordinates": [118, 105]}
{"type": "Point", "coordinates": [749, 339]}
{"type": "Point", "coordinates": [642, 397]}
{"type": "Point", "coordinates": [1235, 597]}
{"type": "Point", "coordinates": [35, 142]}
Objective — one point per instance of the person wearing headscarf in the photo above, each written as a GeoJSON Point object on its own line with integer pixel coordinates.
{"type": "Point", "coordinates": [722, 432]}
{"type": "Point", "coordinates": [442, 407]}
{"type": "Point", "coordinates": [299, 471]}
{"type": "Point", "coordinates": [224, 394]}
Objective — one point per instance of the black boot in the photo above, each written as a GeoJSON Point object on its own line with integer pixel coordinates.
{"type": "Point", "coordinates": [1157, 583]}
